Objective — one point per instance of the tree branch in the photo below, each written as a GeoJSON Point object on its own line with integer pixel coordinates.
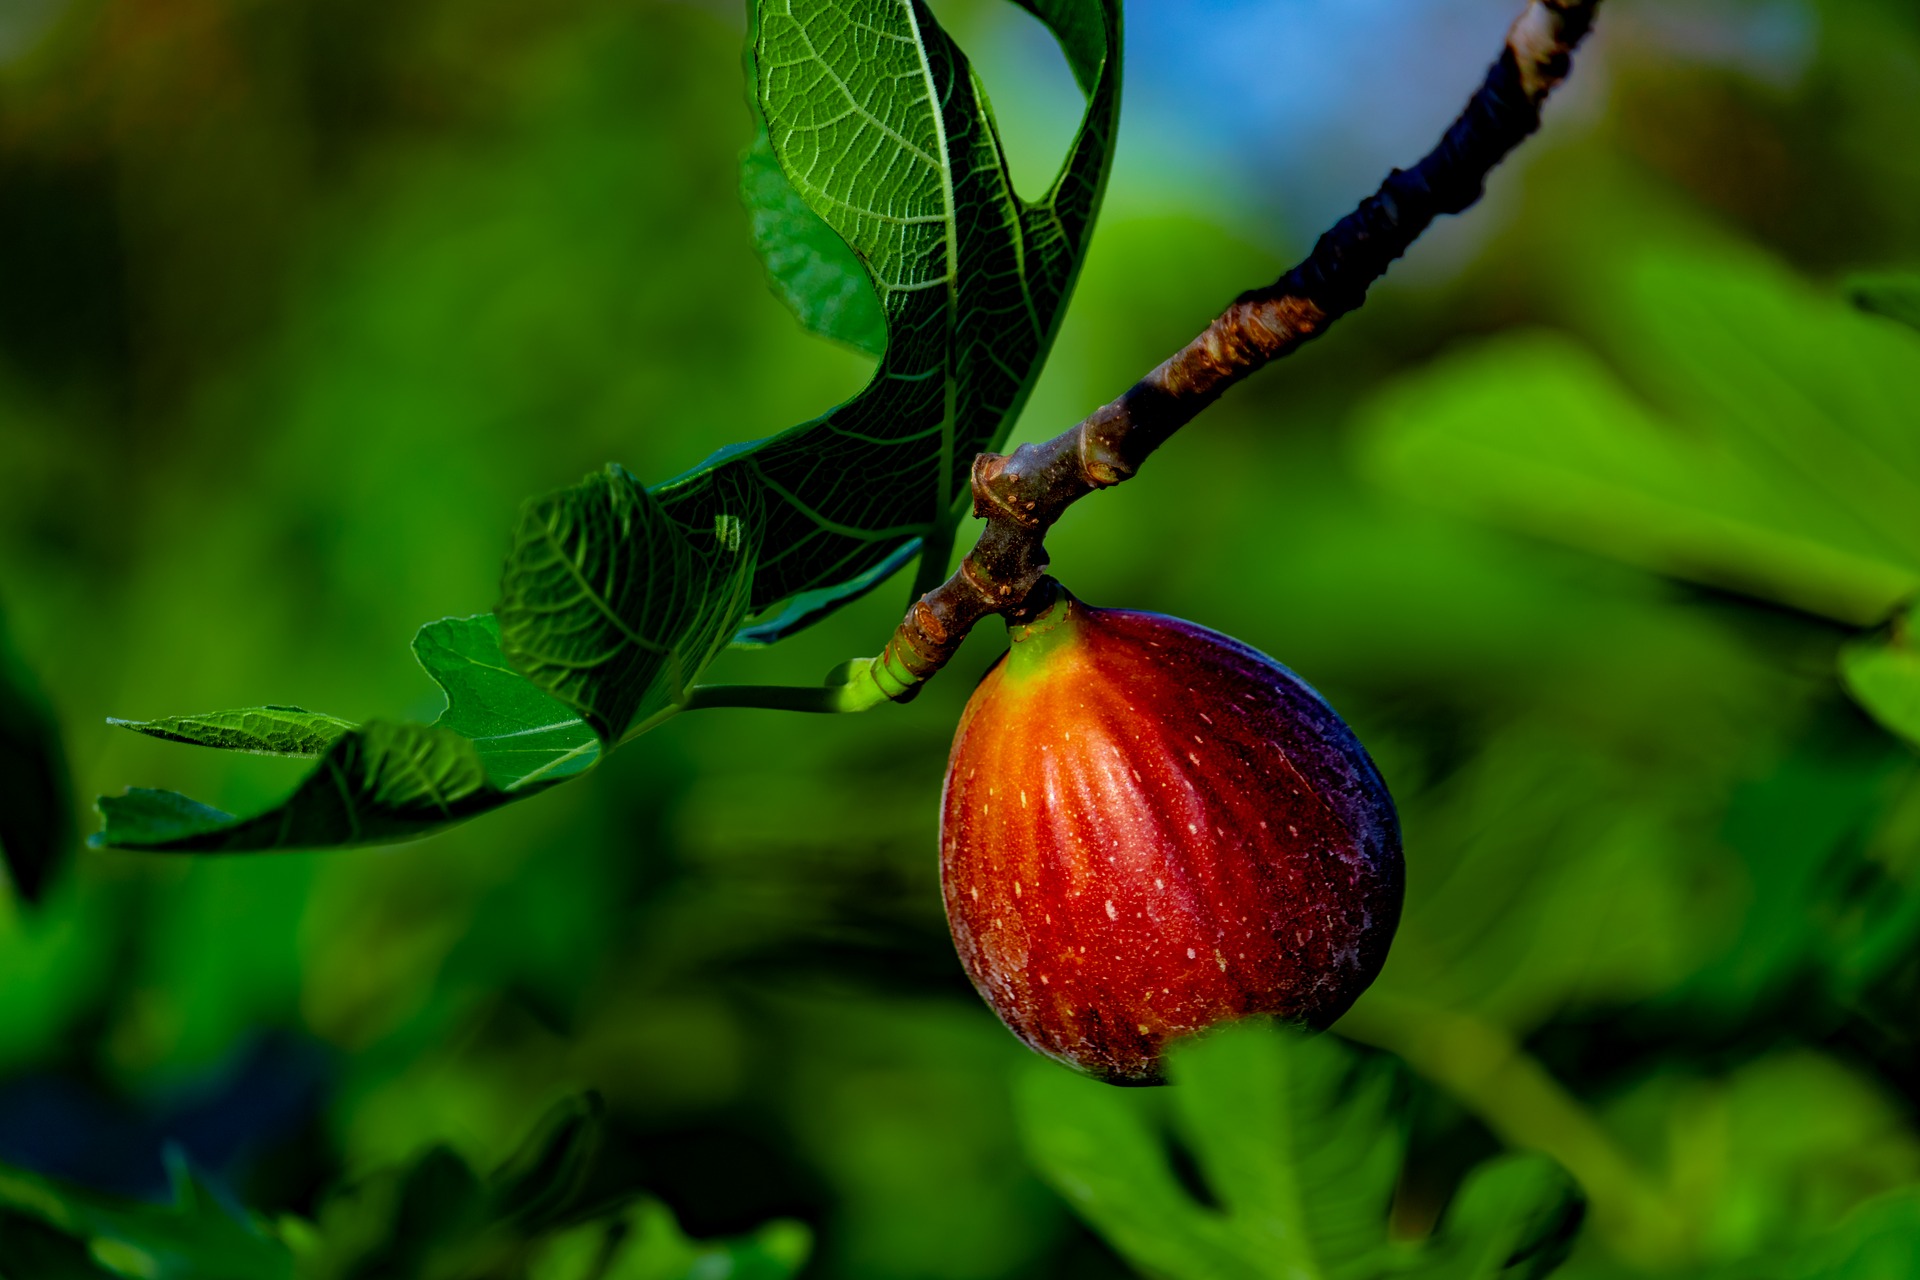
{"type": "Point", "coordinates": [1022, 495]}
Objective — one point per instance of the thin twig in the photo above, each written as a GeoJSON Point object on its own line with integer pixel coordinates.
{"type": "Point", "coordinates": [1022, 495]}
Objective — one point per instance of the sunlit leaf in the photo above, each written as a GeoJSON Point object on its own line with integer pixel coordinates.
{"type": "Point", "coordinates": [36, 800]}
{"type": "Point", "coordinates": [1787, 468]}
{"type": "Point", "coordinates": [1298, 1142]}
{"type": "Point", "coordinates": [261, 731]}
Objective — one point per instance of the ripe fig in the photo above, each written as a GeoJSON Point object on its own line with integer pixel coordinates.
{"type": "Point", "coordinates": [1149, 828]}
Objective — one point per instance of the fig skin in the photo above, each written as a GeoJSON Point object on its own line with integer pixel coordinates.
{"type": "Point", "coordinates": [1149, 828]}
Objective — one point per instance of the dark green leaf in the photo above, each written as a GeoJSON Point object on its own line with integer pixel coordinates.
{"type": "Point", "coordinates": [807, 608]}
{"type": "Point", "coordinates": [1897, 297]}
{"type": "Point", "coordinates": [541, 1184]}
{"type": "Point", "coordinates": [193, 1238]}
{"type": "Point", "coordinates": [614, 606]}
{"type": "Point", "coordinates": [1298, 1141]}
{"type": "Point", "coordinates": [379, 784]}
{"type": "Point", "coordinates": [533, 1216]}
{"type": "Point", "coordinates": [881, 128]}
{"type": "Point", "coordinates": [499, 738]}
{"type": "Point", "coordinates": [809, 266]}
{"type": "Point", "coordinates": [36, 798]}
{"type": "Point", "coordinates": [261, 731]}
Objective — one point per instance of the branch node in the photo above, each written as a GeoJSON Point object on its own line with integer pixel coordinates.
{"type": "Point", "coordinates": [997, 490]}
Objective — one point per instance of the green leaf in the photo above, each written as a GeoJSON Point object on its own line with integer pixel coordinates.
{"type": "Point", "coordinates": [193, 1238]}
{"type": "Point", "coordinates": [1788, 467]}
{"type": "Point", "coordinates": [260, 731]}
{"type": "Point", "coordinates": [1897, 297]}
{"type": "Point", "coordinates": [1298, 1142]}
{"type": "Point", "coordinates": [36, 798]}
{"type": "Point", "coordinates": [541, 1185]}
{"type": "Point", "coordinates": [1882, 672]}
{"type": "Point", "coordinates": [523, 735]}
{"type": "Point", "coordinates": [378, 784]}
{"type": "Point", "coordinates": [615, 596]}
{"type": "Point", "coordinates": [614, 606]}
{"type": "Point", "coordinates": [1879, 1241]}
{"type": "Point", "coordinates": [880, 128]}
{"type": "Point", "coordinates": [1515, 1216]}
{"type": "Point", "coordinates": [499, 738]}
{"type": "Point", "coordinates": [809, 267]}
{"type": "Point", "coordinates": [536, 1215]}
{"type": "Point", "coordinates": [645, 1243]}
{"type": "Point", "coordinates": [807, 608]}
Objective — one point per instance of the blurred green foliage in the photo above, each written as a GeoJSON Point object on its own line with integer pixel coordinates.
{"type": "Point", "coordinates": [298, 302]}
{"type": "Point", "coordinates": [1294, 1147]}
{"type": "Point", "coordinates": [534, 1216]}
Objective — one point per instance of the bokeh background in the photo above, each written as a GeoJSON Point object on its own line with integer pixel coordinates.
{"type": "Point", "coordinates": [300, 300]}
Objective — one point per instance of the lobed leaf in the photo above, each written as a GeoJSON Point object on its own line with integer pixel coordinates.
{"type": "Point", "coordinates": [881, 129]}
{"type": "Point", "coordinates": [1298, 1142]}
{"type": "Point", "coordinates": [524, 735]}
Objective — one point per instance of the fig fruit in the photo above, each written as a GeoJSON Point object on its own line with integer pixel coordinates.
{"type": "Point", "coordinates": [1149, 828]}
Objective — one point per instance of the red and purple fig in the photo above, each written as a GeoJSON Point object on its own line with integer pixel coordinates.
{"type": "Point", "coordinates": [1150, 828]}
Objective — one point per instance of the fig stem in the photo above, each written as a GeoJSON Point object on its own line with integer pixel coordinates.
{"type": "Point", "coordinates": [1022, 495]}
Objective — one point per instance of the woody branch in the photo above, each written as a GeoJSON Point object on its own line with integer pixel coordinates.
{"type": "Point", "coordinates": [1021, 496]}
